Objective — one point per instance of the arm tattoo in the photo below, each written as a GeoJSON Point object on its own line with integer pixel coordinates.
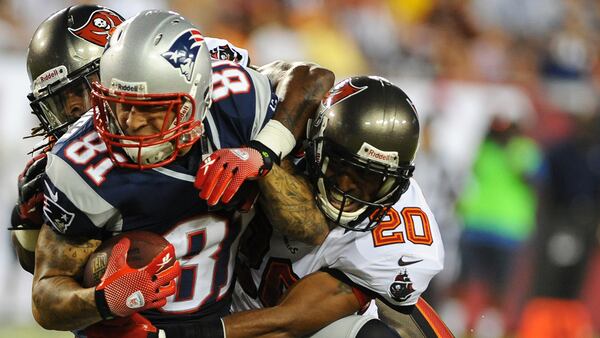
{"type": "Point", "coordinates": [59, 302]}
{"type": "Point", "coordinates": [288, 202]}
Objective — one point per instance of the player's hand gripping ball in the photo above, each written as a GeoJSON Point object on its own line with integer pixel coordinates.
{"type": "Point", "coordinates": [136, 271]}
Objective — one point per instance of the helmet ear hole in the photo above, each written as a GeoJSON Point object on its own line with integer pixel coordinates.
{"type": "Point", "coordinates": [157, 39]}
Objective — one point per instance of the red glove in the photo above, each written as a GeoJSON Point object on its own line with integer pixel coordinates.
{"type": "Point", "coordinates": [134, 326]}
{"type": "Point", "coordinates": [223, 172]}
{"type": "Point", "coordinates": [124, 291]}
{"type": "Point", "coordinates": [31, 194]}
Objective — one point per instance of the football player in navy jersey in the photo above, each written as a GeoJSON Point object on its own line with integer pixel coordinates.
{"type": "Point", "coordinates": [62, 62]}
{"type": "Point", "coordinates": [157, 87]}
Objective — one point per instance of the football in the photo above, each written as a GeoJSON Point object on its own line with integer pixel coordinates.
{"type": "Point", "coordinates": [144, 247]}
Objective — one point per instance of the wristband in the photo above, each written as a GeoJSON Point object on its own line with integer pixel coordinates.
{"type": "Point", "coordinates": [277, 138]}
{"type": "Point", "coordinates": [269, 157]}
{"type": "Point", "coordinates": [102, 305]}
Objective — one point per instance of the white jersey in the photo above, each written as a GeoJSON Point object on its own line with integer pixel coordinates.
{"type": "Point", "coordinates": [394, 262]}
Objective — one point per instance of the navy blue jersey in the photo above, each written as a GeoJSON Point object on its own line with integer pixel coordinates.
{"type": "Point", "coordinates": [86, 195]}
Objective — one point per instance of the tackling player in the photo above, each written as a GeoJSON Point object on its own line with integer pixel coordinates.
{"type": "Point", "coordinates": [384, 243]}
{"type": "Point", "coordinates": [156, 90]}
{"type": "Point", "coordinates": [62, 62]}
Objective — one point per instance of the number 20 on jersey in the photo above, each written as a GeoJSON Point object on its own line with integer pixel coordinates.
{"type": "Point", "coordinates": [417, 229]}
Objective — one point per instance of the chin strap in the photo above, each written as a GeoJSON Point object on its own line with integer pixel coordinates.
{"type": "Point", "coordinates": [149, 154]}
{"type": "Point", "coordinates": [332, 212]}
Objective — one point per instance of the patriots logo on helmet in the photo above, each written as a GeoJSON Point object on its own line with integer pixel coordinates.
{"type": "Point", "coordinates": [98, 27]}
{"type": "Point", "coordinates": [183, 52]}
{"type": "Point", "coordinates": [340, 92]}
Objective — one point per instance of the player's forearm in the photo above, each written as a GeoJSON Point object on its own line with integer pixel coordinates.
{"type": "Point", "coordinates": [60, 303]}
{"type": "Point", "coordinates": [265, 323]}
{"type": "Point", "coordinates": [289, 204]}
{"type": "Point", "coordinates": [300, 87]}
{"type": "Point", "coordinates": [311, 304]}
{"type": "Point", "coordinates": [268, 322]}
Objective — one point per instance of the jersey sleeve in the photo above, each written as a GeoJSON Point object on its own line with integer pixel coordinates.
{"type": "Point", "coordinates": [243, 102]}
{"type": "Point", "coordinates": [71, 206]}
{"type": "Point", "coordinates": [397, 260]}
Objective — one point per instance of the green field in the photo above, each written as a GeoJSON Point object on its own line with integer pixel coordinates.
{"type": "Point", "coordinates": [30, 331]}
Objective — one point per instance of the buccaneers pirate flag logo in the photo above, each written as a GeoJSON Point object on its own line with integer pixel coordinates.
{"type": "Point", "coordinates": [340, 92]}
{"type": "Point", "coordinates": [98, 27]}
{"type": "Point", "coordinates": [402, 287]}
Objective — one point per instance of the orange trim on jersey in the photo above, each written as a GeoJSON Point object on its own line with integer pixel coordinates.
{"type": "Point", "coordinates": [394, 220]}
{"type": "Point", "coordinates": [409, 224]}
{"type": "Point", "coordinates": [392, 223]}
{"type": "Point", "coordinates": [363, 299]}
{"type": "Point", "coordinates": [433, 319]}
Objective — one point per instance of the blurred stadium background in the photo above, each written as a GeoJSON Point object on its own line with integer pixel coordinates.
{"type": "Point", "coordinates": [507, 92]}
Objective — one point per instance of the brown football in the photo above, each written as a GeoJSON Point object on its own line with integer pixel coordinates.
{"type": "Point", "coordinates": [144, 247]}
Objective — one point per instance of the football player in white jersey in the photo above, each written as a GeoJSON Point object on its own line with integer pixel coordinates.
{"type": "Point", "coordinates": [384, 242]}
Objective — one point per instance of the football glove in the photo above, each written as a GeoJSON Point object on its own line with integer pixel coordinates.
{"type": "Point", "coordinates": [134, 326]}
{"type": "Point", "coordinates": [124, 290]}
{"type": "Point", "coordinates": [223, 172]}
{"type": "Point", "coordinates": [28, 211]}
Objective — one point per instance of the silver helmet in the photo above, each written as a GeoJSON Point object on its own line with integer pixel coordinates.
{"type": "Point", "coordinates": [367, 127]}
{"type": "Point", "coordinates": [155, 59]}
{"type": "Point", "coordinates": [62, 60]}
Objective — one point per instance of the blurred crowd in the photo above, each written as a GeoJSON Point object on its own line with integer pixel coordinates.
{"type": "Point", "coordinates": [509, 159]}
